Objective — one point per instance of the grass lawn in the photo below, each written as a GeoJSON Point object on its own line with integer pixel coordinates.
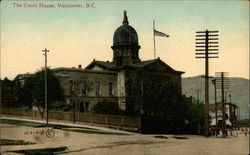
{"type": "Point", "coordinates": [5, 142]}
{"type": "Point", "coordinates": [46, 151]}
{"type": "Point", "coordinates": [93, 132]}
{"type": "Point", "coordinates": [23, 123]}
{"type": "Point", "coordinates": [60, 127]}
{"type": "Point", "coordinates": [33, 124]}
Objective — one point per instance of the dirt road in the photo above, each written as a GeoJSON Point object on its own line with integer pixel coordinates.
{"type": "Point", "coordinates": [84, 143]}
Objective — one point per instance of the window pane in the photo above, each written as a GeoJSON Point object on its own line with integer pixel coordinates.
{"type": "Point", "coordinates": [97, 88]}
{"type": "Point", "coordinates": [86, 106]}
{"type": "Point", "coordinates": [81, 107]}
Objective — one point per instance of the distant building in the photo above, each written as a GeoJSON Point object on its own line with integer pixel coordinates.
{"type": "Point", "coordinates": [231, 112]}
{"type": "Point", "coordinates": [22, 77]}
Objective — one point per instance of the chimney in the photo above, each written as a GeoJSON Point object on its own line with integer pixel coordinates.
{"type": "Point", "coordinates": [79, 66]}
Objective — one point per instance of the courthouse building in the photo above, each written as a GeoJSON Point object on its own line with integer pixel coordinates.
{"type": "Point", "coordinates": [111, 80]}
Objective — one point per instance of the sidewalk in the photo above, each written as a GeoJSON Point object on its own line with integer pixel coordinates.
{"type": "Point", "coordinates": [67, 124]}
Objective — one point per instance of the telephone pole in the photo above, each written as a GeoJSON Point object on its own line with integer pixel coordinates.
{"type": "Point", "coordinates": [215, 102]}
{"type": "Point", "coordinates": [154, 38]}
{"type": "Point", "coordinates": [46, 96]}
{"type": "Point", "coordinates": [222, 82]}
{"type": "Point", "coordinates": [204, 49]}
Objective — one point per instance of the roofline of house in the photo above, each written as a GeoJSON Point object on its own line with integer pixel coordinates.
{"type": "Point", "coordinates": [55, 70]}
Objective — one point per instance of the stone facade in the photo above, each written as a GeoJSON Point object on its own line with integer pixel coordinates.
{"type": "Point", "coordinates": [87, 87]}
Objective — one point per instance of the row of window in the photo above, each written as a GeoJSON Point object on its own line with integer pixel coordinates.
{"type": "Point", "coordinates": [126, 53]}
{"type": "Point", "coordinates": [84, 87]}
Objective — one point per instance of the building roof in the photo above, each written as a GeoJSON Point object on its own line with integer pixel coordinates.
{"type": "Point", "coordinates": [67, 69]}
{"type": "Point", "coordinates": [102, 64]}
{"type": "Point", "coordinates": [146, 64]}
{"type": "Point", "coordinates": [23, 76]}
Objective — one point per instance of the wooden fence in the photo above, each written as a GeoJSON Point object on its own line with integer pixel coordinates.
{"type": "Point", "coordinates": [123, 122]}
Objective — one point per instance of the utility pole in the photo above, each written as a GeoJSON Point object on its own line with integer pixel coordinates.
{"type": "Point", "coordinates": [223, 105]}
{"type": "Point", "coordinates": [204, 50]}
{"type": "Point", "coordinates": [46, 96]}
{"type": "Point", "coordinates": [154, 38]}
{"type": "Point", "coordinates": [215, 102]}
{"type": "Point", "coordinates": [222, 83]}
{"type": "Point", "coordinates": [74, 112]}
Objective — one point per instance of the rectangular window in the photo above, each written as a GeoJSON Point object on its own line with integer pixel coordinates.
{"type": "Point", "coordinates": [84, 87]}
{"type": "Point", "coordinates": [86, 106]}
{"type": "Point", "coordinates": [81, 107]}
{"type": "Point", "coordinates": [110, 88]}
{"type": "Point", "coordinates": [71, 87]}
{"type": "Point", "coordinates": [97, 88]}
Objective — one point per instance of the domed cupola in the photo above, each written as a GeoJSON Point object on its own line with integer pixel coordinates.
{"type": "Point", "coordinates": [125, 34]}
{"type": "Point", "coordinates": [125, 44]}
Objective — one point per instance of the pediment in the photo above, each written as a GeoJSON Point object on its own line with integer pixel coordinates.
{"type": "Point", "coordinates": [159, 66]}
{"type": "Point", "coordinates": [95, 67]}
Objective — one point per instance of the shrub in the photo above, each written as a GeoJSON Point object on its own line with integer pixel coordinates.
{"type": "Point", "coordinates": [107, 107]}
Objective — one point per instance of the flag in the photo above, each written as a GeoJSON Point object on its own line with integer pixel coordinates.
{"type": "Point", "coordinates": [157, 33]}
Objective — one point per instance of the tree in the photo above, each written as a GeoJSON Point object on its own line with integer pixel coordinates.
{"type": "Point", "coordinates": [162, 104]}
{"type": "Point", "coordinates": [7, 93]}
{"type": "Point", "coordinates": [196, 119]}
{"type": "Point", "coordinates": [35, 90]}
{"type": "Point", "coordinates": [11, 92]}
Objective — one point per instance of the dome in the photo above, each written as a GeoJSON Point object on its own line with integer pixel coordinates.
{"type": "Point", "coordinates": [125, 34]}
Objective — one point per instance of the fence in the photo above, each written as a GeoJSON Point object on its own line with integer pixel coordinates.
{"type": "Point", "coordinates": [123, 122]}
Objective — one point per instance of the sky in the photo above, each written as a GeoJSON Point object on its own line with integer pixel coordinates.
{"type": "Point", "coordinates": [76, 36]}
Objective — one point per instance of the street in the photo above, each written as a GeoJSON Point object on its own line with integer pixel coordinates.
{"type": "Point", "coordinates": [80, 141]}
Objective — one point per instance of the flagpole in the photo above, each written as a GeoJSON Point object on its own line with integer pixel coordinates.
{"type": "Point", "coordinates": [154, 37]}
